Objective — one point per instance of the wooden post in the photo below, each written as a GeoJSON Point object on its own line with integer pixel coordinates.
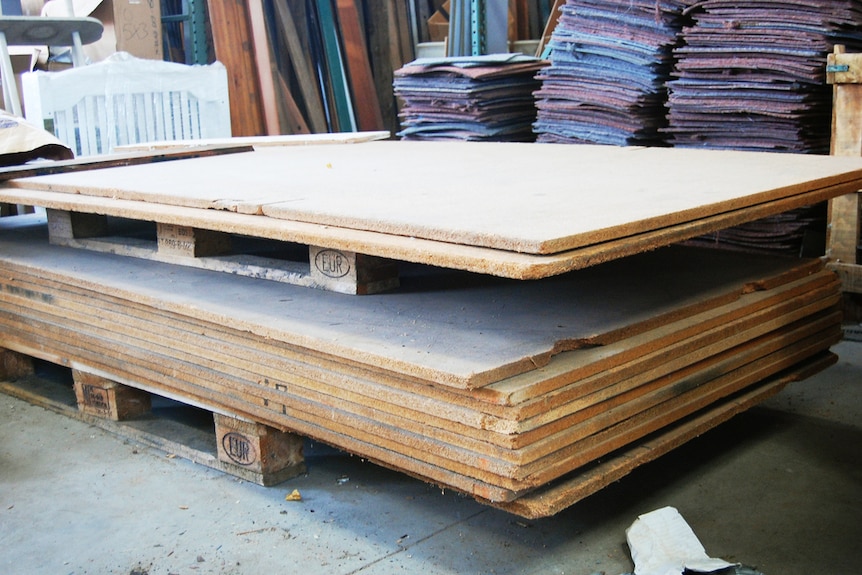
{"type": "Point", "coordinates": [844, 72]}
{"type": "Point", "coordinates": [257, 452]}
{"type": "Point", "coordinates": [108, 399]}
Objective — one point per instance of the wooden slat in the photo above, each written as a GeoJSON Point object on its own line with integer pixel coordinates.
{"type": "Point", "coordinates": [263, 61]}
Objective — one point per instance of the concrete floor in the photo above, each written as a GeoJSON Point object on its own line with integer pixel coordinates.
{"type": "Point", "coordinates": [778, 487]}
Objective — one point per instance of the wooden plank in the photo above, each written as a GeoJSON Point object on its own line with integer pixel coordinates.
{"type": "Point", "coordinates": [302, 67]}
{"type": "Point", "coordinates": [97, 354]}
{"type": "Point", "coordinates": [233, 43]}
{"type": "Point", "coordinates": [382, 64]}
{"type": "Point", "coordinates": [265, 70]}
{"type": "Point", "coordinates": [463, 459]}
{"type": "Point", "coordinates": [250, 142]}
{"type": "Point", "coordinates": [291, 116]}
{"type": "Point", "coordinates": [368, 116]}
{"type": "Point", "coordinates": [361, 429]}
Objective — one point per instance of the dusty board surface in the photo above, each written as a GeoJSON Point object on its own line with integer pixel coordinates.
{"type": "Point", "coordinates": [458, 329]}
{"type": "Point", "coordinates": [535, 199]}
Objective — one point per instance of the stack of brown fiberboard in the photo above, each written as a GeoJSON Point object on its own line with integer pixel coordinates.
{"type": "Point", "coordinates": [506, 390]}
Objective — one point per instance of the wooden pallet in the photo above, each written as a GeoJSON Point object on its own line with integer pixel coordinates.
{"type": "Point", "coordinates": [245, 449]}
{"type": "Point", "coordinates": [844, 237]}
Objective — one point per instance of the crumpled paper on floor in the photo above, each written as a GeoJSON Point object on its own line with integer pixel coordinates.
{"type": "Point", "coordinates": [662, 543]}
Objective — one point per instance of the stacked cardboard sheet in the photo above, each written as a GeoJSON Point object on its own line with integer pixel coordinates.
{"type": "Point", "coordinates": [478, 98]}
{"type": "Point", "coordinates": [494, 387]}
{"type": "Point", "coordinates": [751, 75]}
{"type": "Point", "coordinates": [609, 64]}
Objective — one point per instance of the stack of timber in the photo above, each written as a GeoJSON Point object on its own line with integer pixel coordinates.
{"type": "Point", "coordinates": [610, 61]}
{"type": "Point", "coordinates": [525, 395]}
{"type": "Point", "coordinates": [751, 76]}
{"type": "Point", "coordinates": [479, 98]}
{"type": "Point", "coordinates": [489, 386]}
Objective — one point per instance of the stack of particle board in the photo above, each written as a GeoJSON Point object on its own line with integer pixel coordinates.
{"type": "Point", "coordinates": [510, 209]}
{"type": "Point", "coordinates": [479, 98]}
{"type": "Point", "coordinates": [490, 386]}
{"type": "Point", "coordinates": [496, 387]}
{"type": "Point", "coordinates": [609, 64]}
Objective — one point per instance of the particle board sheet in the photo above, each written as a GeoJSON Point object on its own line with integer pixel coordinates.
{"type": "Point", "coordinates": [113, 316]}
{"type": "Point", "coordinates": [512, 199]}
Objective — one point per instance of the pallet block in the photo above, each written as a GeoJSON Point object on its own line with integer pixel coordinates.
{"type": "Point", "coordinates": [190, 242]}
{"type": "Point", "coordinates": [349, 272]}
{"type": "Point", "coordinates": [103, 397]}
{"type": "Point", "coordinates": [14, 365]}
{"type": "Point", "coordinates": [257, 452]}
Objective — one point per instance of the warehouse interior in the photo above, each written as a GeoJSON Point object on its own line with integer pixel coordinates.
{"type": "Point", "coordinates": [340, 286]}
